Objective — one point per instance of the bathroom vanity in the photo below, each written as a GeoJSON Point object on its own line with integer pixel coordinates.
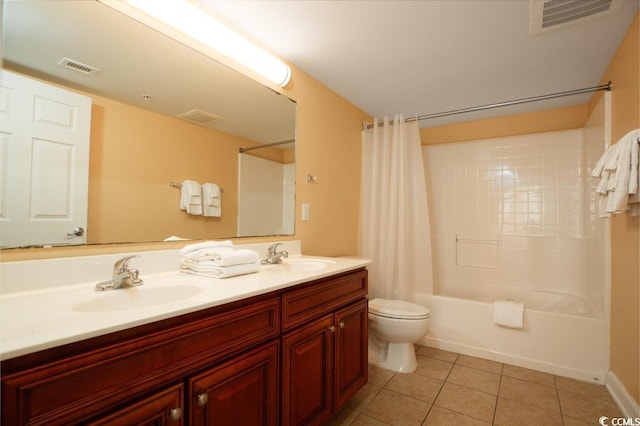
{"type": "Point", "coordinates": [291, 353]}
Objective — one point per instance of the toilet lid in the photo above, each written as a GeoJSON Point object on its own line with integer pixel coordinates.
{"type": "Point", "coordinates": [397, 309]}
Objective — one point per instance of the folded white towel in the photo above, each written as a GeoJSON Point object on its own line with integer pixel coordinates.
{"type": "Point", "coordinates": [206, 244]}
{"type": "Point", "coordinates": [508, 313]}
{"type": "Point", "coordinates": [223, 271]}
{"type": "Point", "coordinates": [191, 197]}
{"type": "Point", "coordinates": [211, 200]}
{"type": "Point", "coordinates": [220, 257]}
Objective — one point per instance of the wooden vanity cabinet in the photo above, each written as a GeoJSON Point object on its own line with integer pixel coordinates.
{"type": "Point", "coordinates": [324, 348]}
{"type": "Point", "coordinates": [227, 365]}
{"type": "Point", "coordinates": [127, 371]}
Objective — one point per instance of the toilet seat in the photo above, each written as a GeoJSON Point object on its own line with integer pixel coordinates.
{"type": "Point", "coordinates": [398, 309]}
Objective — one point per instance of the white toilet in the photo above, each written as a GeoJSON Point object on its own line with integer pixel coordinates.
{"type": "Point", "coordinates": [394, 327]}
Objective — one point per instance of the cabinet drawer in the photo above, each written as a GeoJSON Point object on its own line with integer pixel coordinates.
{"type": "Point", "coordinates": [161, 408]}
{"type": "Point", "coordinates": [79, 387]}
{"type": "Point", "coordinates": [321, 297]}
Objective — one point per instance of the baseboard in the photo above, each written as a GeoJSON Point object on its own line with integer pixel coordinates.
{"type": "Point", "coordinates": [618, 391]}
{"type": "Point", "coordinates": [560, 370]}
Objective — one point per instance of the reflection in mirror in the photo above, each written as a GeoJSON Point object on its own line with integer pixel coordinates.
{"type": "Point", "coordinates": [266, 195]}
{"type": "Point", "coordinates": [160, 113]}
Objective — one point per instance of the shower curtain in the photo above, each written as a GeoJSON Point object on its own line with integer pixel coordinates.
{"type": "Point", "coordinates": [394, 217]}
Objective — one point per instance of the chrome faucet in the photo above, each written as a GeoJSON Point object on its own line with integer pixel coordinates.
{"type": "Point", "coordinates": [273, 255]}
{"type": "Point", "coordinates": [123, 276]}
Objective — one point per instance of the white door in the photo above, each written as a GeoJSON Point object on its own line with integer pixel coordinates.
{"type": "Point", "coordinates": [44, 160]}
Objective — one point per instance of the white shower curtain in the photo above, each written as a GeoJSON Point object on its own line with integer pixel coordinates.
{"type": "Point", "coordinates": [394, 217]}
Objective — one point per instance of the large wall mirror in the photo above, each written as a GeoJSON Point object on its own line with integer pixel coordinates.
{"type": "Point", "coordinates": [161, 114]}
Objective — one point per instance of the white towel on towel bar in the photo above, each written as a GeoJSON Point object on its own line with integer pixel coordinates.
{"type": "Point", "coordinates": [508, 313]}
{"type": "Point", "coordinates": [191, 197]}
{"type": "Point", "coordinates": [211, 200]}
{"type": "Point", "coordinates": [617, 169]}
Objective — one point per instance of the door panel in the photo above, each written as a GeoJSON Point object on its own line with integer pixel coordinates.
{"type": "Point", "coordinates": [242, 391]}
{"type": "Point", "coordinates": [307, 373]}
{"type": "Point", "coordinates": [45, 163]}
{"type": "Point", "coordinates": [351, 370]}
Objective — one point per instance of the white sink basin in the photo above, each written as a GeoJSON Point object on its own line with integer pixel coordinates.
{"type": "Point", "coordinates": [135, 297]}
{"type": "Point", "coordinates": [300, 265]}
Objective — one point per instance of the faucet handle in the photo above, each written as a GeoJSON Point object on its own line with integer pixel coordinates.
{"type": "Point", "coordinates": [123, 264]}
{"type": "Point", "coordinates": [273, 247]}
{"type": "Point", "coordinates": [135, 280]}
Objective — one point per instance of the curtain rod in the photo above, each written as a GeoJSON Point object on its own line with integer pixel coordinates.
{"type": "Point", "coordinates": [606, 87]}
{"type": "Point", "coordinates": [266, 145]}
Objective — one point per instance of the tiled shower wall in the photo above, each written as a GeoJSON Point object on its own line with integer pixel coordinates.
{"type": "Point", "coordinates": [516, 213]}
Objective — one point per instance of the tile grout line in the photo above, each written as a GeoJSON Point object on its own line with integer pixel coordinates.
{"type": "Point", "coordinates": [555, 382]}
{"type": "Point", "coordinates": [495, 409]}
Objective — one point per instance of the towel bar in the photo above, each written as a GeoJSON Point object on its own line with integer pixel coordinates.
{"type": "Point", "coordinates": [179, 185]}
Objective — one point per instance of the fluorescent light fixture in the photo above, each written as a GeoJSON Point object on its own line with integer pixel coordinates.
{"type": "Point", "coordinates": [188, 24]}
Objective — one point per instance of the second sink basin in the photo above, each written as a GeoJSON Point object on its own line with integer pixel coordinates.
{"type": "Point", "coordinates": [135, 297]}
{"type": "Point", "coordinates": [300, 265]}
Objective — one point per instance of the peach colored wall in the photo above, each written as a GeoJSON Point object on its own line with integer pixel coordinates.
{"type": "Point", "coordinates": [329, 147]}
{"type": "Point", "coordinates": [134, 155]}
{"type": "Point", "coordinates": [624, 72]}
{"type": "Point", "coordinates": [549, 120]}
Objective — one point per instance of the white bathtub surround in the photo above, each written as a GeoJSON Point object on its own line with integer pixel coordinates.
{"type": "Point", "coordinates": [517, 218]}
{"type": "Point", "coordinates": [394, 217]}
{"type": "Point", "coordinates": [566, 345]}
{"type": "Point", "coordinates": [518, 213]}
{"type": "Point", "coordinates": [46, 303]}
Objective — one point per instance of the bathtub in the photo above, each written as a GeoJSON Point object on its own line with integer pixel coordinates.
{"type": "Point", "coordinates": [562, 334]}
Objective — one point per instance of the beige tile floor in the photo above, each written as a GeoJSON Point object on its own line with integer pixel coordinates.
{"type": "Point", "coordinates": [453, 389]}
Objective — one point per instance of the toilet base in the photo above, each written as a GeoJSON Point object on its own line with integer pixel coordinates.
{"type": "Point", "coordinates": [400, 357]}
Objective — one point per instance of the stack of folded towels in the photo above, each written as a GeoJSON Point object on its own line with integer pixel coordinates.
{"type": "Point", "coordinates": [217, 259]}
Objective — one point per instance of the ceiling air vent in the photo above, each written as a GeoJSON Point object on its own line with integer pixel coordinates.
{"type": "Point", "coordinates": [199, 117]}
{"type": "Point", "coordinates": [78, 66]}
{"type": "Point", "coordinates": [551, 14]}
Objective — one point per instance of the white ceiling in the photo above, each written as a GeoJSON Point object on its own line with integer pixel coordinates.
{"type": "Point", "coordinates": [423, 57]}
{"type": "Point", "coordinates": [135, 60]}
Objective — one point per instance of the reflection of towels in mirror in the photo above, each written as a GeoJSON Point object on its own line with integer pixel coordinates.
{"type": "Point", "coordinates": [191, 197]}
{"type": "Point", "coordinates": [211, 200]}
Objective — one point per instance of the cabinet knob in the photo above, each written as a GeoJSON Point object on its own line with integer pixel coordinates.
{"type": "Point", "coordinates": [332, 329]}
{"type": "Point", "coordinates": [175, 414]}
{"type": "Point", "coordinates": [203, 398]}
{"type": "Point", "coordinates": [341, 324]}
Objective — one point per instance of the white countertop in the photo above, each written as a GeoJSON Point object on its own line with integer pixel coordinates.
{"type": "Point", "coordinates": [47, 317]}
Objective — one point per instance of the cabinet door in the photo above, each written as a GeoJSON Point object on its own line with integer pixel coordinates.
{"type": "Point", "coordinates": [351, 358]}
{"type": "Point", "coordinates": [241, 391]}
{"type": "Point", "coordinates": [307, 373]}
{"type": "Point", "coordinates": [160, 409]}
